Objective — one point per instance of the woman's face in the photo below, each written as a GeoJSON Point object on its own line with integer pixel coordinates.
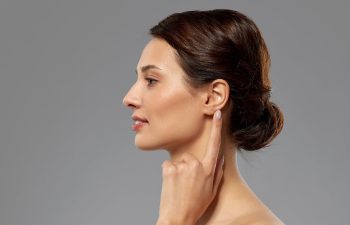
{"type": "Point", "coordinates": [173, 114]}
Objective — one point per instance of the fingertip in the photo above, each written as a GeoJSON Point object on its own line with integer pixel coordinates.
{"type": "Point", "coordinates": [166, 163]}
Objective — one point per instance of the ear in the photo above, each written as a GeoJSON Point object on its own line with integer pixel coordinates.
{"type": "Point", "coordinates": [216, 96]}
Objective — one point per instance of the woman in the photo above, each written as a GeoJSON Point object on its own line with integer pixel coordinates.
{"type": "Point", "coordinates": [203, 93]}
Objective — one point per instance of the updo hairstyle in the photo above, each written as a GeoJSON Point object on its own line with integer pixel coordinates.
{"type": "Point", "coordinates": [225, 44]}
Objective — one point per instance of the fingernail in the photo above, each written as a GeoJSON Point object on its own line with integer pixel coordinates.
{"type": "Point", "coordinates": [222, 161]}
{"type": "Point", "coordinates": [217, 114]}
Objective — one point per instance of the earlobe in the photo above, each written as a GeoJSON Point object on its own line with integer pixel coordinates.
{"type": "Point", "coordinates": [217, 94]}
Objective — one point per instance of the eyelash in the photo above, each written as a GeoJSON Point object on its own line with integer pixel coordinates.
{"type": "Point", "coordinates": [150, 80]}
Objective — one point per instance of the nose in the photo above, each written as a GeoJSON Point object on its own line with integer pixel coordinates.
{"type": "Point", "coordinates": [132, 99]}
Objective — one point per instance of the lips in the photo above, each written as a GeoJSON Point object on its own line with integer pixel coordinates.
{"type": "Point", "coordinates": [138, 118]}
{"type": "Point", "coordinates": [139, 122]}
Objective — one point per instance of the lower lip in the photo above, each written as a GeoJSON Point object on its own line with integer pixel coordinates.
{"type": "Point", "coordinates": [138, 126]}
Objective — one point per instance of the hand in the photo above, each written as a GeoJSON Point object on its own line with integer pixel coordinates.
{"type": "Point", "coordinates": [190, 186]}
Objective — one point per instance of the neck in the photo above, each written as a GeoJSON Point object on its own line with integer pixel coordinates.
{"type": "Point", "coordinates": [232, 191]}
{"type": "Point", "coordinates": [197, 145]}
{"type": "Point", "coordinates": [229, 192]}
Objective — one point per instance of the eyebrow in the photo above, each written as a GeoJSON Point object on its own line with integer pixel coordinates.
{"type": "Point", "coordinates": [148, 67]}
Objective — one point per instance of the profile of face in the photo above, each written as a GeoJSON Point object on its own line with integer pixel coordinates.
{"type": "Point", "coordinates": [161, 96]}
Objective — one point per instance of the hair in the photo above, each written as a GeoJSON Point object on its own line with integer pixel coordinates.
{"type": "Point", "coordinates": [225, 44]}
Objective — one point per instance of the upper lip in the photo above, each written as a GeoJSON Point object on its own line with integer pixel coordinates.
{"type": "Point", "coordinates": [135, 117]}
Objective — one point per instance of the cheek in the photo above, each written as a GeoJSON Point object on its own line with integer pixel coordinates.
{"type": "Point", "coordinates": [176, 119]}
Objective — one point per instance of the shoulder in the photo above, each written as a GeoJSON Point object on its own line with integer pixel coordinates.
{"type": "Point", "coordinates": [265, 223]}
{"type": "Point", "coordinates": [258, 218]}
{"type": "Point", "coordinates": [261, 222]}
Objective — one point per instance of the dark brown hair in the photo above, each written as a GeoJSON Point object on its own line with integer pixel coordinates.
{"type": "Point", "coordinates": [225, 44]}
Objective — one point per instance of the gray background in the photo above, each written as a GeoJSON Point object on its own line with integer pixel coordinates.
{"type": "Point", "coordinates": [67, 153]}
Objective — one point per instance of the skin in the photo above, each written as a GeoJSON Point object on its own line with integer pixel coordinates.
{"type": "Point", "coordinates": [197, 188]}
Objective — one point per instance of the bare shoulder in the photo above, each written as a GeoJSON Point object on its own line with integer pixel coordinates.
{"type": "Point", "coordinates": [265, 223]}
{"type": "Point", "coordinates": [260, 222]}
{"type": "Point", "coordinates": [258, 218]}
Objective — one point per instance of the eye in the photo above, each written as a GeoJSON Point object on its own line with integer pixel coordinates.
{"type": "Point", "coordinates": [150, 80]}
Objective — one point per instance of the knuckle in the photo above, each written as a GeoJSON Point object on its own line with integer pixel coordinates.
{"type": "Point", "coordinates": [166, 163]}
{"type": "Point", "coordinates": [182, 167]}
{"type": "Point", "coordinates": [188, 157]}
{"type": "Point", "coordinates": [195, 164]}
{"type": "Point", "coordinates": [169, 170]}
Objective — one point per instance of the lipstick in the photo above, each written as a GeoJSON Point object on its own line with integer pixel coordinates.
{"type": "Point", "coordinates": [138, 125]}
{"type": "Point", "coordinates": [139, 122]}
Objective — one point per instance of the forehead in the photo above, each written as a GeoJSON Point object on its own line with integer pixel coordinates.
{"type": "Point", "coordinates": [159, 53]}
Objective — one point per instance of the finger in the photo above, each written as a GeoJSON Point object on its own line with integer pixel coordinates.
{"type": "Point", "coordinates": [191, 163]}
{"type": "Point", "coordinates": [168, 168]}
{"type": "Point", "coordinates": [213, 147]}
{"type": "Point", "coordinates": [168, 185]}
{"type": "Point", "coordinates": [166, 164]}
{"type": "Point", "coordinates": [188, 157]}
{"type": "Point", "coordinates": [219, 172]}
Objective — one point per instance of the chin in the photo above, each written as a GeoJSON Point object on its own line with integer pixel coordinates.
{"type": "Point", "coordinates": [146, 146]}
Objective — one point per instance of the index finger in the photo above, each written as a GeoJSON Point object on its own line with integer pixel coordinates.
{"type": "Point", "coordinates": [211, 155]}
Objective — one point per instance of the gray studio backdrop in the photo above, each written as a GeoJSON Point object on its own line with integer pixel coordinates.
{"type": "Point", "coordinates": [67, 153]}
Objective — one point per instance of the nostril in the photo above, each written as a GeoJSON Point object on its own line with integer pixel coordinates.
{"type": "Point", "coordinates": [130, 105]}
{"type": "Point", "coordinates": [127, 102]}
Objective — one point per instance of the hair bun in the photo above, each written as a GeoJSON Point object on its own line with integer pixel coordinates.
{"type": "Point", "coordinates": [226, 44]}
{"type": "Point", "coordinates": [263, 131]}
